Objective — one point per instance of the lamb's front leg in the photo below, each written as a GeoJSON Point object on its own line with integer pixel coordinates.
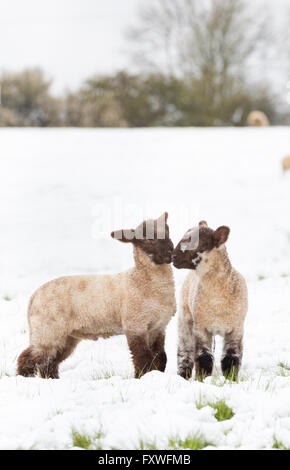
{"type": "Point", "coordinates": [203, 355]}
{"type": "Point", "coordinates": [141, 353]}
{"type": "Point", "coordinates": [157, 341]}
{"type": "Point", "coordinates": [232, 354]}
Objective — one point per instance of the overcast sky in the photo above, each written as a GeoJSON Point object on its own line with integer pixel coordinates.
{"type": "Point", "coordinates": [70, 39]}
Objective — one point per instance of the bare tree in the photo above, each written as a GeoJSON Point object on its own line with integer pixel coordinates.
{"type": "Point", "coordinates": [196, 38]}
{"type": "Point", "coordinates": [160, 35]}
{"type": "Point", "coordinates": [218, 46]}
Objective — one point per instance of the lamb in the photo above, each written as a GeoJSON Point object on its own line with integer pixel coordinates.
{"type": "Point", "coordinates": [138, 303]}
{"type": "Point", "coordinates": [258, 119]}
{"type": "Point", "coordinates": [214, 301]}
{"type": "Point", "coordinates": [286, 164]}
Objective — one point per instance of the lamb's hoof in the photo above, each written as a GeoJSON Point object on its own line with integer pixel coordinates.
{"type": "Point", "coordinates": [204, 366]}
{"type": "Point", "coordinates": [230, 367]}
{"type": "Point", "coordinates": [185, 373]}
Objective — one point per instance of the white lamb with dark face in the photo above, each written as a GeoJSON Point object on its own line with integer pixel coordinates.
{"type": "Point", "coordinates": [214, 301]}
{"type": "Point", "coordinates": [138, 303]}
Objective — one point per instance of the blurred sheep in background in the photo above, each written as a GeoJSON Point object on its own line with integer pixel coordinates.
{"type": "Point", "coordinates": [286, 164]}
{"type": "Point", "coordinates": [258, 119]}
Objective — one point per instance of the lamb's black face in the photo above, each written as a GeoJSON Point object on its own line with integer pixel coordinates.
{"type": "Point", "coordinates": [152, 237]}
{"type": "Point", "coordinates": [159, 251]}
{"type": "Point", "coordinates": [186, 258]}
{"type": "Point", "coordinates": [189, 252]}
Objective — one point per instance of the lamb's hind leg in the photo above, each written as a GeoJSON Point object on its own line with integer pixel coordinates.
{"type": "Point", "coordinates": [157, 340]}
{"type": "Point", "coordinates": [232, 354]}
{"type": "Point", "coordinates": [141, 353]}
{"type": "Point", "coordinates": [45, 360]}
{"type": "Point", "coordinates": [185, 352]}
{"type": "Point", "coordinates": [26, 363]}
{"type": "Point", "coordinates": [35, 360]}
{"type": "Point", "coordinates": [69, 346]}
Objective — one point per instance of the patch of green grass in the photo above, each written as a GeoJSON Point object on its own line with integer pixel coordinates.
{"type": "Point", "coordinates": [86, 442]}
{"type": "Point", "coordinates": [284, 275]}
{"type": "Point", "coordinates": [279, 445]}
{"type": "Point", "coordinates": [191, 443]}
{"type": "Point", "coordinates": [223, 411]}
{"type": "Point", "coordinates": [147, 446]}
{"type": "Point", "coordinates": [7, 298]}
{"type": "Point", "coordinates": [4, 374]}
{"type": "Point", "coordinates": [97, 438]}
{"type": "Point", "coordinates": [284, 370]}
{"type": "Point", "coordinates": [282, 373]}
{"type": "Point", "coordinates": [261, 277]}
{"type": "Point", "coordinates": [200, 403]}
{"type": "Point", "coordinates": [102, 375]}
{"type": "Point", "coordinates": [284, 365]}
{"type": "Point", "coordinates": [267, 386]}
{"type": "Point", "coordinates": [242, 378]}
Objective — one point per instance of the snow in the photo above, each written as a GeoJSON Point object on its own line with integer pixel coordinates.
{"type": "Point", "coordinates": [53, 184]}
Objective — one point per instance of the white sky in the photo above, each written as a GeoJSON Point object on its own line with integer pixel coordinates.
{"type": "Point", "coordinates": [69, 39]}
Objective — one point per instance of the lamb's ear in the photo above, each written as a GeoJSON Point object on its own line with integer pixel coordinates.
{"type": "Point", "coordinates": [162, 227]}
{"type": "Point", "coordinates": [202, 223]}
{"type": "Point", "coordinates": [221, 235]}
{"type": "Point", "coordinates": [125, 236]}
{"type": "Point", "coordinates": [164, 216]}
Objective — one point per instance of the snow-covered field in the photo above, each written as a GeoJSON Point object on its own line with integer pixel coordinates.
{"type": "Point", "coordinates": [53, 184]}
